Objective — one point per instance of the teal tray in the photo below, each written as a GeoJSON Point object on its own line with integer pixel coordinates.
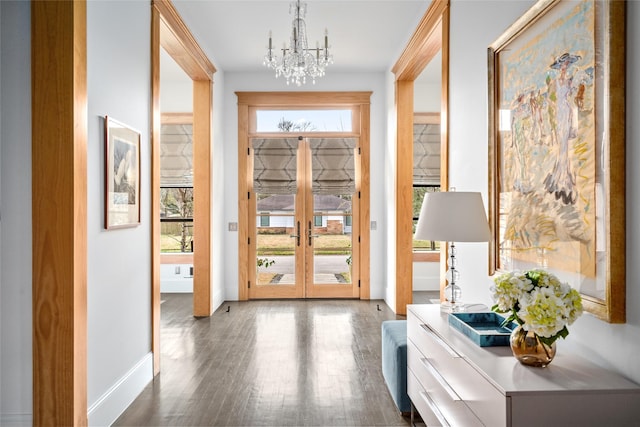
{"type": "Point", "coordinates": [484, 329]}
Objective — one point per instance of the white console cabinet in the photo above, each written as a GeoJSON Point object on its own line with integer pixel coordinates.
{"type": "Point", "coordinates": [452, 381]}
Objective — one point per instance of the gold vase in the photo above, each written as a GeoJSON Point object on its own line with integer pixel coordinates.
{"type": "Point", "coordinates": [529, 350]}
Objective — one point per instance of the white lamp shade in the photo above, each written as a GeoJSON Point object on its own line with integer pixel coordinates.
{"type": "Point", "coordinates": [453, 216]}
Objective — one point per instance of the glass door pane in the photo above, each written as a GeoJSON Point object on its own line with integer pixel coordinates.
{"type": "Point", "coordinates": [278, 229]}
{"type": "Point", "coordinates": [275, 246]}
{"type": "Point", "coordinates": [332, 164]}
{"type": "Point", "coordinates": [331, 227]}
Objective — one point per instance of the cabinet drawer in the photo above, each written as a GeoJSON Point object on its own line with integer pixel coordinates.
{"type": "Point", "coordinates": [436, 407]}
{"type": "Point", "coordinates": [424, 338]}
{"type": "Point", "coordinates": [422, 402]}
{"type": "Point", "coordinates": [458, 380]}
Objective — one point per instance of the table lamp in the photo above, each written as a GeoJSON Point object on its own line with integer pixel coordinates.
{"type": "Point", "coordinates": [453, 216]}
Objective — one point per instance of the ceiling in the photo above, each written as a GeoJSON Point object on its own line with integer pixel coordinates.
{"type": "Point", "coordinates": [365, 36]}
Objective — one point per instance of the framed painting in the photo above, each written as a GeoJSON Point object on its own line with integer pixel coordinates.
{"type": "Point", "coordinates": [557, 148]}
{"type": "Point", "coordinates": [122, 175]}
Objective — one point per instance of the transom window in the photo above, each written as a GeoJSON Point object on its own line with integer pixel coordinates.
{"type": "Point", "coordinates": [304, 120]}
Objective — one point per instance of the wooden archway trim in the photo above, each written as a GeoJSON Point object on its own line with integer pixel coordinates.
{"type": "Point", "coordinates": [180, 44]}
{"type": "Point", "coordinates": [431, 35]}
{"type": "Point", "coordinates": [169, 31]}
{"type": "Point", "coordinates": [424, 44]}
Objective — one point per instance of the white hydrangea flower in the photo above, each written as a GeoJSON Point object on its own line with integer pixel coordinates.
{"type": "Point", "coordinates": [538, 300]}
{"type": "Point", "coordinates": [508, 288]}
{"type": "Point", "coordinates": [573, 301]}
{"type": "Point", "coordinates": [542, 311]}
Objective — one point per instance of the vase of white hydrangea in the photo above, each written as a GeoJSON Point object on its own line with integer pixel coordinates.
{"type": "Point", "coordinates": [542, 306]}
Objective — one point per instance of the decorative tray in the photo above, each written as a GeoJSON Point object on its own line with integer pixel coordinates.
{"type": "Point", "coordinates": [484, 329]}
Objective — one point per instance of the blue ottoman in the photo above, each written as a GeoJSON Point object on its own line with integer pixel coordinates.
{"type": "Point", "coordinates": [394, 362]}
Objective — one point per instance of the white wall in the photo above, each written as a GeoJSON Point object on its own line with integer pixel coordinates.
{"type": "Point", "coordinates": [265, 81]}
{"type": "Point", "coordinates": [176, 87]}
{"type": "Point", "coordinates": [220, 182]}
{"type": "Point", "coordinates": [426, 276]}
{"type": "Point", "coordinates": [389, 191]}
{"type": "Point", "coordinates": [119, 261]}
{"type": "Point", "coordinates": [474, 25]}
{"type": "Point", "coordinates": [176, 278]}
{"type": "Point", "coordinates": [15, 226]}
{"type": "Point", "coordinates": [426, 97]}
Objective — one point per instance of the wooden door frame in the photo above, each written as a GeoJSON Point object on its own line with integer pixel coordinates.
{"type": "Point", "coordinates": [169, 31]}
{"type": "Point", "coordinates": [431, 36]}
{"type": "Point", "coordinates": [59, 212]}
{"type": "Point", "coordinates": [250, 100]}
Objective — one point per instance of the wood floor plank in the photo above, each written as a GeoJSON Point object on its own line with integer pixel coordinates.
{"type": "Point", "coordinates": [269, 363]}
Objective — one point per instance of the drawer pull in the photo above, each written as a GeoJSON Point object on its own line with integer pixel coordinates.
{"type": "Point", "coordinates": [438, 376]}
{"type": "Point", "coordinates": [434, 408]}
{"type": "Point", "coordinates": [439, 340]}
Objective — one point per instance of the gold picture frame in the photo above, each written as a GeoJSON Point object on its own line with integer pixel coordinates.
{"type": "Point", "coordinates": [122, 175]}
{"type": "Point", "coordinates": [557, 148]}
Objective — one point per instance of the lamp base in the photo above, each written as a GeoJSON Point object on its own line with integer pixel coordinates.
{"type": "Point", "coordinates": [455, 307]}
{"type": "Point", "coordinates": [452, 296]}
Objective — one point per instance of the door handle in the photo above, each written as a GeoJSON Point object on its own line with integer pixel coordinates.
{"type": "Point", "coordinates": [311, 235]}
{"type": "Point", "coordinates": [297, 236]}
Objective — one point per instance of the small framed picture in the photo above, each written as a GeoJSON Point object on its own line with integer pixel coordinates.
{"type": "Point", "coordinates": [122, 175]}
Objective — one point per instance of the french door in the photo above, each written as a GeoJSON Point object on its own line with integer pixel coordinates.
{"type": "Point", "coordinates": [303, 210]}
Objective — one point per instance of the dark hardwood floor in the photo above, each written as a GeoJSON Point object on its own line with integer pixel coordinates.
{"type": "Point", "coordinates": [269, 363]}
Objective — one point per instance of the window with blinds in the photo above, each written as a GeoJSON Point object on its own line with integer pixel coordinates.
{"type": "Point", "coordinates": [333, 165]}
{"type": "Point", "coordinates": [275, 165]}
{"type": "Point", "coordinates": [176, 155]}
{"type": "Point", "coordinates": [426, 172]}
{"type": "Point", "coordinates": [426, 154]}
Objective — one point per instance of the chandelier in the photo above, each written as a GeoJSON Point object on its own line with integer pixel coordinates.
{"type": "Point", "coordinates": [298, 60]}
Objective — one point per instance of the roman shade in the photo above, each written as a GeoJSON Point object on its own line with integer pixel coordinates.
{"type": "Point", "coordinates": [426, 154]}
{"type": "Point", "coordinates": [275, 165]}
{"type": "Point", "coordinates": [333, 165]}
{"type": "Point", "coordinates": [176, 155]}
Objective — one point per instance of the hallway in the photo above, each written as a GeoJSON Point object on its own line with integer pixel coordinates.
{"type": "Point", "coordinates": [269, 363]}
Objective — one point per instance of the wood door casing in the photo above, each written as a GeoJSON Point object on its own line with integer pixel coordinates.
{"type": "Point", "coordinates": [431, 36]}
{"type": "Point", "coordinates": [359, 102]}
{"type": "Point", "coordinates": [168, 31]}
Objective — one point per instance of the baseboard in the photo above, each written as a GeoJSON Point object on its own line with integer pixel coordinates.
{"type": "Point", "coordinates": [16, 420]}
{"type": "Point", "coordinates": [113, 403]}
